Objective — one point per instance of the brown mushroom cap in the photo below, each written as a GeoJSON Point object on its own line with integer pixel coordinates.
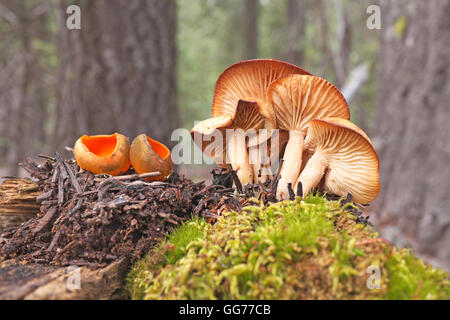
{"type": "Point", "coordinates": [206, 130]}
{"type": "Point", "coordinates": [297, 99]}
{"type": "Point", "coordinates": [246, 116]}
{"type": "Point", "coordinates": [208, 126]}
{"type": "Point", "coordinates": [352, 162]}
{"type": "Point", "coordinates": [249, 80]}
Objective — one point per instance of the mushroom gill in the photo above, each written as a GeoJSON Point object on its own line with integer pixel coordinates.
{"type": "Point", "coordinates": [296, 100]}
{"type": "Point", "coordinates": [345, 153]}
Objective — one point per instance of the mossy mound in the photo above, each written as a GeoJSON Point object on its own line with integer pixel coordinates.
{"type": "Point", "coordinates": [302, 249]}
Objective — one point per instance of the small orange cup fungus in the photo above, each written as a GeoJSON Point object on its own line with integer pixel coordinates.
{"type": "Point", "coordinates": [108, 154]}
{"type": "Point", "coordinates": [148, 155]}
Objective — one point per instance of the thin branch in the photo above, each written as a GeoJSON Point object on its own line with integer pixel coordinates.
{"type": "Point", "coordinates": [355, 81]}
{"type": "Point", "coordinates": [133, 176]}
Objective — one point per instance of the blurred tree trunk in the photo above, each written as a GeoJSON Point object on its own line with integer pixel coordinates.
{"type": "Point", "coordinates": [336, 44]}
{"type": "Point", "coordinates": [17, 93]}
{"type": "Point", "coordinates": [295, 31]}
{"type": "Point", "coordinates": [341, 57]}
{"type": "Point", "coordinates": [118, 73]}
{"type": "Point", "coordinates": [412, 125]}
{"type": "Point", "coordinates": [251, 34]}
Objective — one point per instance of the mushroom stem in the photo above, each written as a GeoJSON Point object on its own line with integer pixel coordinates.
{"type": "Point", "coordinates": [237, 156]}
{"type": "Point", "coordinates": [260, 163]}
{"type": "Point", "coordinates": [312, 173]}
{"type": "Point", "coordinates": [255, 162]}
{"type": "Point", "coordinates": [291, 164]}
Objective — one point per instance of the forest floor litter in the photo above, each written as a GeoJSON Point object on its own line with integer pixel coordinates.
{"type": "Point", "coordinates": [93, 220]}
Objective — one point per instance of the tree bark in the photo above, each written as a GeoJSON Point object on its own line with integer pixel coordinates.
{"type": "Point", "coordinates": [118, 71]}
{"type": "Point", "coordinates": [251, 34]}
{"type": "Point", "coordinates": [341, 57]}
{"type": "Point", "coordinates": [19, 92]}
{"type": "Point", "coordinates": [412, 126]}
{"type": "Point", "coordinates": [295, 11]}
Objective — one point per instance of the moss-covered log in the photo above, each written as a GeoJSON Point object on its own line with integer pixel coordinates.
{"type": "Point", "coordinates": [311, 249]}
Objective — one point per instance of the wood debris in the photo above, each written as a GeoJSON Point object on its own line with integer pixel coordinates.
{"type": "Point", "coordinates": [94, 220]}
{"type": "Point", "coordinates": [17, 202]}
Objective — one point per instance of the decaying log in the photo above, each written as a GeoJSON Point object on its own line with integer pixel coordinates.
{"type": "Point", "coordinates": [17, 202]}
{"type": "Point", "coordinates": [39, 282]}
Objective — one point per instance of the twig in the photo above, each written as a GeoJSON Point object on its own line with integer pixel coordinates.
{"type": "Point", "coordinates": [55, 175]}
{"type": "Point", "coordinates": [46, 157]}
{"type": "Point", "coordinates": [44, 195]}
{"type": "Point", "coordinates": [237, 182]}
{"type": "Point", "coordinates": [60, 190]}
{"type": "Point", "coordinates": [54, 241]}
{"type": "Point", "coordinates": [77, 207]}
{"type": "Point", "coordinates": [131, 176]}
{"type": "Point", "coordinates": [276, 178]}
{"type": "Point", "coordinates": [45, 220]}
{"type": "Point", "coordinates": [69, 149]}
{"type": "Point", "coordinates": [60, 165]}
{"type": "Point", "coordinates": [69, 172]}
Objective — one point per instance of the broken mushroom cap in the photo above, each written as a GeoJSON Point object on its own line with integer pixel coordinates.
{"type": "Point", "coordinates": [148, 155]}
{"type": "Point", "coordinates": [344, 154]}
{"type": "Point", "coordinates": [296, 100]}
{"type": "Point", "coordinates": [246, 117]}
{"type": "Point", "coordinates": [205, 132]}
{"type": "Point", "coordinates": [249, 80]}
{"type": "Point", "coordinates": [107, 154]}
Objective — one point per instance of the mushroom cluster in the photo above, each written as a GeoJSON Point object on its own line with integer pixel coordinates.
{"type": "Point", "coordinates": [239, 111]}
{"type": "Point", "coordinates": [305, 115]}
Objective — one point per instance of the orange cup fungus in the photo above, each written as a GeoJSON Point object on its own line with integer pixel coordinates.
{"type": "Point", "coordinates": [107, 154]}
{"type": "Point", "coordinates": [148, 155]}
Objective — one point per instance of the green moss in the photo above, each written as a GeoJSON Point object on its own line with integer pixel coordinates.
{"type": "Point", "coordinates": [310, 249]}
{"type": "Point", "coordinates": [168, 253]}
{"type": "Point", "coordinates": [179, 240]}
{"type": "Point", "coordinates": [411, 278]}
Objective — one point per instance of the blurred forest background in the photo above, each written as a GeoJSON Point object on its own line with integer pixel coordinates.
{"type": "Point", "coordinates": [151, 65]}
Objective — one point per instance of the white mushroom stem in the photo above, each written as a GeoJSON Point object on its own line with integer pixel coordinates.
{"type": "Point", "coordinates": [237, 156]}
{"type": "Point", "coordinates": [312, 173]}
{"type": "Point", "coordinates": [291, 164]}
{"type": "Point", "coordinates": [260, 162]}
{"type": "Point", "coordinates": [255, 161]}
